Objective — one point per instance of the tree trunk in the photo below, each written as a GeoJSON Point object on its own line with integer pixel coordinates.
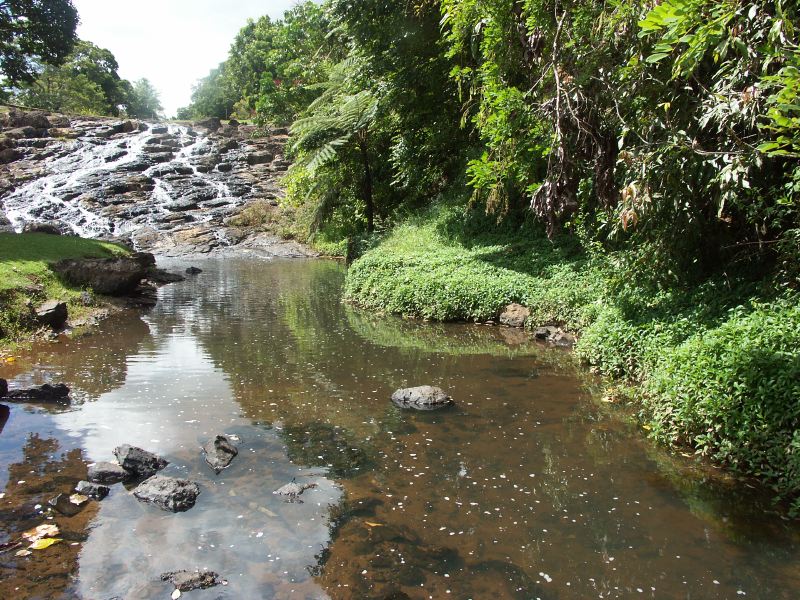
{"type": "Point", "coordinates": [366, 192]}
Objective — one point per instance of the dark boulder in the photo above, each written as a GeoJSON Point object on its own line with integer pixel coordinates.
{"type": "Point", "coordinates": [186, 581]}
{"type": "Point", "coordinates": [211, 124]}
{"type": "Point", "coordinates": [162, 277]}
{"type": "Point", "coordinates": [8, 155]}
{"type": "Point", "coordinates": [67, 505]}
{"type": "Point", "coordinates": [109, 276]}
{"type": "Point", "coordinates": [20, 118]}
{"type": "Point", "coordinates": [139, 462]}
{"type": "Point", "coordinates": [92, 490]}
{"type": "Point", "coordinates": [3, 388]}
{"type": "Point", "coordinates": [220, 452]}
{"type": "Point", "coordinates": [167, 493]}
{"type": "Point", "coordinates": [52, 314]}
{"type": "Point", "coordinates": [58, 394]}
{"type": "Point", "coordinates": [159, 129]}
{"type": "Point", "coordinates": [106, 472]}
{"type": "Point", "coordinates": [193, 271]}
{"type": "Point", "coordinates": [424, 397]}
{"type": "Point", "coordinates": [555, 336]}
{"type": "Point", "coordinates": [123, 127]}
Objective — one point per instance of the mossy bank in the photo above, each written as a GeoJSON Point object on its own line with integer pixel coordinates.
{"type": "Point", "coordinates": [714, 366]}
{"type": "Point", "coordinates": [27, 280]}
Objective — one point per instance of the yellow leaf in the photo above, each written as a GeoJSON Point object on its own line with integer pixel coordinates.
{"type": "Point", "coordinates": [46, 543]}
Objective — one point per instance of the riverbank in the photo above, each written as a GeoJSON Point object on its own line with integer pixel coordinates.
{"type": "Point", "coordinates": [27, 281]}
{"type": "Point", "coordinates": [714, 367]}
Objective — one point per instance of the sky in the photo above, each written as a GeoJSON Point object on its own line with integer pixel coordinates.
{"type": "Point", "coordinates": [173, 43]}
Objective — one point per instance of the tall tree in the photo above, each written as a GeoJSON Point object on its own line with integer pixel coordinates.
{"type": "Point", "coordinates": [144, 102]}
{"type": "Point", "coordinates": [34, 32]}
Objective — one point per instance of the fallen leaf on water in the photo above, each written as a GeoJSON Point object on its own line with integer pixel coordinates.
{"type": "Point", "coordinates": [78, 499]}
{"type": "Point", "coordinates": [45, 543]}
{"type": "Point", "coordinates": [371, 524]}
{"type": "Point", "coordinates": [23, 553]}
{"type": "Point", "coordinates": [176, 594]}
{"type": "Point", "coordinates": [42, 531]}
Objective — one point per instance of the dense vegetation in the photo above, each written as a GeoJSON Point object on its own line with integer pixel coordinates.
{"type": "Point", "coordinates": [628, 169]}
{"type": "Point", "coordinates": [44, 65]}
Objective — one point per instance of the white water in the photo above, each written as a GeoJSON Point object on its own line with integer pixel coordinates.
{"type": "Point", "coordinates": [87, 159]}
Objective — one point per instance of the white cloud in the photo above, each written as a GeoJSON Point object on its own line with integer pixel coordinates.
{"type": "Point", "coordinates": [171, 42]}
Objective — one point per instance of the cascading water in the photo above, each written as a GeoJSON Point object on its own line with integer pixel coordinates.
{"type": "Point", "coordinates": [120, 184]}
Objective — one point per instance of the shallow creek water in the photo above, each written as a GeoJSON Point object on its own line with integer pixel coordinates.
{"type": "Point", "coordinates": [529, 488]}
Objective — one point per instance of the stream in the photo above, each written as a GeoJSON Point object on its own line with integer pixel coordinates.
{"type": "Point", "coordinates": [530, 487]}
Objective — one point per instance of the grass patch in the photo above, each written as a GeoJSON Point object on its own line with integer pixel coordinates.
{"type": "Point", "coordinates": [26, 278]}
{"type": "Point", "coordinates": [716, 365]}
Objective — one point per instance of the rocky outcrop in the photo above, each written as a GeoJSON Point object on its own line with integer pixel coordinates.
{"type": "Point", "coordinates": [57, 394]}
{"type": "Point", "coordinates": [107, 472]}
{"type": "Point", "coordinates": [220, 452]}
{"type": "Point", "coordinates": [422, 398]}
{"type": "Point", "coordinates": [109, 276]}
{"type": "Point", "coordinates": [48, 228]}
{"type": "Point", "coordinates": [167, 493]}
{"type": "Point", "coordinates": [140, 463]}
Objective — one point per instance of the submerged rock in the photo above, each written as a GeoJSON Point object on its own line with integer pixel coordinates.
{"type": "Point", "coordinates": [92, 490]}
{"type": "Point", "coordinates": [424, 397]}
{"type": "Point", "coordinates": [186, 581]}
{"type": "Point", "coordinates": [293, 490]}
{"type": "Point", "coordinates": [52, 314]}
{"type": "Point", "coordinates": [167, 493]}
{"type": "Point", "coordinates": [220, 452]}
{"type": "Point", "coordinates": [139, 462]}
{"type": "Point", "coordinates": [515, 315]}
{"type": "Point", "coordinates": [58, 393]}
{"type": "Point", "coordinates": [193, 271]}
{"type": "Point", "coordinates": [555, 335]}
{"type": "Point", "coordinates": [67, 505]}
{"type": "Point", "coordinates": [3, 388]}
{"type": "Point", "coordinates": [107, 472]}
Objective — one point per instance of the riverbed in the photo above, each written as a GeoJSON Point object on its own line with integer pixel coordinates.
{"type": "Point", "coordinates": [530, 487]}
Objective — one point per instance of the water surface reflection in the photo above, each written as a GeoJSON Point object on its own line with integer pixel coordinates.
{"type": "Point", "coordinates": [525, 489]}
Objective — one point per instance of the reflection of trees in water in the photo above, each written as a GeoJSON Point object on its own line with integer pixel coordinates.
{"type": "Point", "coordinates": [94, 364]}
{"type": "Point", "coordinates": [42, 474]}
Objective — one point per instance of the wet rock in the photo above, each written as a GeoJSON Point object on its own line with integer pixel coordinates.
{"type": "Point", "coordinates": [3, 388]}
{"type": "Point", "coordinates": [167, 493]}
{"type": "Point", "coordinates": [65, 505]}
{"type": "Point", "coordinates": [186, 581]}
{"type": "Point", "coordinates": [515, 315]}
{"type": "Point", "coordinates": [107, 472]}
{"type": "Point", "coordinates": [139, 462]}
{"type": "Point", "coordinates": [57, 121]}
{"type": "Point", "coordinates": [555, 336]}
{"type": "Point", "coordinates": [162, 277]}
{"type": "Point", "coordinates": [260, 158]}
{"type": "Point", "coordinates": [193, 271]}
{"type": "Point", "coordinates": [8, 155]}
{"type": "Point", "coordinates": [114, 156]}
{"type": "Point", "coordinates": [47, 227]}
{"type": "Point", "coordinates": [228, 145]}
{"type": "Point", "coordinates": [159, 129]}
{"type": "Point", "coordinates": [5, 224]}
{"type": "Point", "coordinates": [92, 490]}
{"type": "Point", "coordinates": [123, 127]}
{"type": "Point", "coordinates": [294, 490]}
{"type": "Point", "coordinates": [53, 314]}
{"type": "Point", "coordinates": [224, 167]}
{"type": "Point", "coordinates": [20, 118]}
{"type": "Point", "coordinates": [424, 397]}
{"type": "Point", "coordinates": [26, 133]}
{"type": "Point", "coordinates": [220, 452]}
{"type": "Point", "coordinates": [110, 276]}
{"type": "Point", "coordinates": [58, 394]}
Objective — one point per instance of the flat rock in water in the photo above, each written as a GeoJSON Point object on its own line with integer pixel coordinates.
{"type": "Point", "coordinates": [293, 490]}
{"type": "Point", "coordinates": [193, 271]}
{"type": "Point", "coordinates": [107, 472]}
{"type": "Point", "coordinates": [167, 493]}
{"type": "Point", "coordinates": [58, 393]}
{"type": "Point", "coordinates": [139, 462]}
{"type": "Point", "coordinates": [220, 452]}
{"type": "Point", "coordinates": [186, 581]}
{"type": "Point", "coordinates": [92, 490]}
{"type": "Point", "coordinates": [424, 397]}
{"type": "Point", "coordinates": [64, 505]}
